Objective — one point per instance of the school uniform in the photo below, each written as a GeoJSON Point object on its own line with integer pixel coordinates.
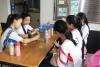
{"type": "Point", "coordinates": [69, 55]}
{"type": "Point", "coordinates": [85, 32]}
{"type": "Point", "coordinates": [7, 36]}
{"type": "Point", "coordinates": [23, 29]}
{"type": "Point", "coordinates": [77, 37]}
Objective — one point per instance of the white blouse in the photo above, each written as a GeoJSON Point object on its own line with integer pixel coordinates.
{"type": "Point", "coordinates": [11, 34]}
{"type": "Point", "coordinates": [66, 48]}
{"type": "Point", "coordinates": [85, 32]}
{"type": "Point", "coordinates": [26, 27]}
{"type": "Point", "coordinates": [78, 38]}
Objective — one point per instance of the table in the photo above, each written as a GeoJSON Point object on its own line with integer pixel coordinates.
{"type": "Point", "coordinates": [31, 55]}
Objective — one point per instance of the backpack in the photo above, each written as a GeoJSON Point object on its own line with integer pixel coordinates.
{"type": "Point", "coordinates": [94, 60]}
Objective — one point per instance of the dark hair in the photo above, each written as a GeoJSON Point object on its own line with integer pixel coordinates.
{"type": "Point", "coordinates": [71, 19]}
{"type": "Point", "coordinates": [25, 15]}
{"type": "Point", "coordinates": [60, 26]}
{"type": "Point", "coordinates": [11, 18]}
{"type": "Point", "coordinates": [83, 16]}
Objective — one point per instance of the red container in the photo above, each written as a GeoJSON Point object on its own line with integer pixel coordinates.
{"type": "Point", "coordinates": [17, 49]}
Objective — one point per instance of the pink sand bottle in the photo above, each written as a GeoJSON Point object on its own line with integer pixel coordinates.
{"type": "Point", "coordinates": [17, 49]}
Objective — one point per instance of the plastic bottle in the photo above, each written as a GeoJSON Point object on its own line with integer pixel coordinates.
{"type": "Point", "coordinates": [17, 49]}
{"type": "Point", "coordinates": [52, 32]}
{"type": "Point", "coordinates": [46, 36]}
{"type": "Point", "coordinates": [11, 48]}
{"type": "Point", "coordinates": [29, 34]}
{"type": "Point", "coordinates": [49, 33]}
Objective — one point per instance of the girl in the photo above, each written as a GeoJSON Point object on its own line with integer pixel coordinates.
{"type": "Point", "coordinates": [84, 27]}
{"type": "Point", "coordinates": [68, 55]}
{"type": "Point", "coordinates": [74, 26]}
{"type": "Point", "coordinates": [26, 30]}
{"type": "Point", "coordinates": [14, 22]}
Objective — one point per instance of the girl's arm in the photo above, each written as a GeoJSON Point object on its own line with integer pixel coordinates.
{"type": "Point", "coordinates": [18, 38]}
{"type": "Point", "coordinates": [35, 31]}
{"type": "Point", "coordinates": [25, 41]}
{"type": "Point", "coordinates": [23, 35]}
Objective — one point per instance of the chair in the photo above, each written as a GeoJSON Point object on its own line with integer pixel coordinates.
{"type": "Point", "coordinates": [3, 26]}
{"type": "Point", "coordinates": [0, 30]}
{"type": "Point", "coordinates": [93, 42]}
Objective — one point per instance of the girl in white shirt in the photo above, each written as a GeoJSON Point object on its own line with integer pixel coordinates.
{"type": "Point", "coordinates": [74, 26]}
{"type": "Point", "coordinates": [84, 29]}
{"type": "Point", "coordinates": [69, 55]}
{"type": "Point", "coordinates": [25, 29]}
{"type": "Point", "coordinates": [14, 22]}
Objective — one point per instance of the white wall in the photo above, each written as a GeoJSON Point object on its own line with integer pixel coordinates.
{"type": "Point", "coordinates": [4, 10]}
{"type": "Point", "coordinates": [94, 26]}
{"type": "Point", "coordinates": [82, 4]}
{"type": "Point", "coordinates": [46, 10]}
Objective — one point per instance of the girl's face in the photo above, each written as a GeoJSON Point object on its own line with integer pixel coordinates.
{"type": "Point", "coordinates": [82, 21]}
{"type": "Point", "coordinates": [70, 26]}
{"type": "Point", "coordinates": [17, 23]}
{"type": "Point", "coordinates": [58, 34]}
{"type": "Point", "coordinates": [61, 36]}
{"type": "Point", "coordinates": [26, 20]}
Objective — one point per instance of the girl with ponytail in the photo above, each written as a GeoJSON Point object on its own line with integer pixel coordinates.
{"type": "Point", "coordinates": [69, 55]}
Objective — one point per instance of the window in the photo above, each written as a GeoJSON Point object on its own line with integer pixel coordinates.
{"type": "Point", "coordinates": [61, 8]}
{"type": "Point", "coordinates": [66, 7]}
{"type": "Point", "coordinates": [74, 7]}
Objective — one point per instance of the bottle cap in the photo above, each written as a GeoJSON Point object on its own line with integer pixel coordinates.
{"type": "Point", "coordinates": [17, 44]}
{"type": "Point", "coordinates": [11, 44]}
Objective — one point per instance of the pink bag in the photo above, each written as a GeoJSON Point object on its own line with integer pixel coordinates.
{"type": "Point", "coordinates": [94, 60]}
{"type": "Point", "coordinates": [85, 52]}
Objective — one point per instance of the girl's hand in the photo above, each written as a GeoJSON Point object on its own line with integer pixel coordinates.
{"type": "Point", "coordinates": [35, 31]}
{"type": "Point", "coordinates": [25, 41]}
{"type": "Point", "coordinates": [57, 44]}
{"type": "Point", "coordinates": [36, 37]}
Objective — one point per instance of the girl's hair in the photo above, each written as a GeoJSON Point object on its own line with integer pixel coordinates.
{"type": "Point", "coordinates": [11, 18]}
{"type": "Point", "coordinates": [83, 16]}
{"type": "Point", "coordinates": [25, 15]}
{"type": "Point", "coordinates": [71, 19]}
{"type": "Point", "coordinates": [60, 26]}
